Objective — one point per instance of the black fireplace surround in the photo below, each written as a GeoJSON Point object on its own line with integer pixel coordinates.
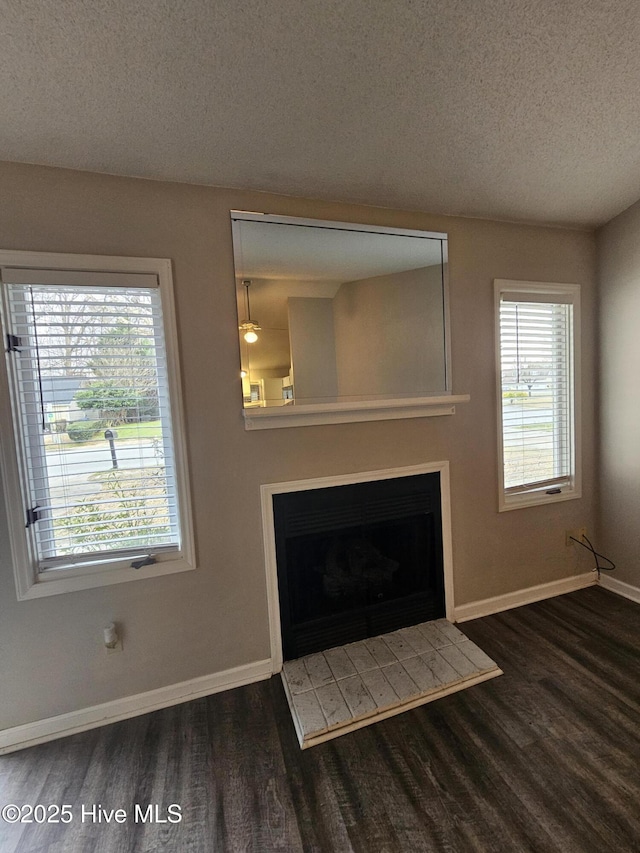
{"type": "Point", "coordinates": [358, 560]}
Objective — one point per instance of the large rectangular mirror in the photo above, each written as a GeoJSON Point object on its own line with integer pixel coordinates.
{"type": "Point", "coordinates": [330, 312]}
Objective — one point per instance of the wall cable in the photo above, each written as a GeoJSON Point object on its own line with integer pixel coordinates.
{"type": "Point", "coordinates": [596, 556]}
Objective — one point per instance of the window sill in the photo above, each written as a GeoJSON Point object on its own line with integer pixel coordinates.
{"type": "Point", "coordinates": [505, 504]}
{"type": "Point", "coordinates": [57, 581]}
{"type": "Point", "coordinates": [350, 412]}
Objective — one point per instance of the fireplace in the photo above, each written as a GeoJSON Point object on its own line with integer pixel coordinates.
{"type": "Point", "coordinates": [358, 559]}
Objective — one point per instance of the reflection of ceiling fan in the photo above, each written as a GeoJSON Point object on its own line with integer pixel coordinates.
{"type": "Point", "coordinates": [248, 327]}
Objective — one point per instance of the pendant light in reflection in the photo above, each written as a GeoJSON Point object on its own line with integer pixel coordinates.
{"type": "Point", "coordinates": [249, 328]}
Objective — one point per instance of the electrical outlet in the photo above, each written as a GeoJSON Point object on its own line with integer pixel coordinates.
{"type": "Point", "coordinates": [112, 639]}
{"type": "Point", "coordinates": [576, 533]}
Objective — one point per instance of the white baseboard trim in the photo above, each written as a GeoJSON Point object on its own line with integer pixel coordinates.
{"type": "Point", "coordinates": [51, 728]}
{"type": "Point", "coordinates": [498, 603]}
{"type": "Point", "coordinates": [620, 587]}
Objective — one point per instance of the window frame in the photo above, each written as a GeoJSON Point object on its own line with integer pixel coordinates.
{"type": "Point", "coordinates": [30, 582]}
{"type": "Point", "coordinates": [536, 495]}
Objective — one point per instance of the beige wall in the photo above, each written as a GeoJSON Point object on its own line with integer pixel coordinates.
{"type": "Point", "coordinates": [313, 349]}
{"type": "Point", "coordinates": [619, 336]}
{"type": "Point", "coordinates": [187, 625]}
{"type": "Point", "coordinates": [389, 334]}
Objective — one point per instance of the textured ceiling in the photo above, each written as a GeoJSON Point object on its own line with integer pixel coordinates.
{"type": "Point", "coordinates": [515, 109]}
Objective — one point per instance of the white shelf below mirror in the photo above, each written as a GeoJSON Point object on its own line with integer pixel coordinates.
{"type": "Point", "coordinates": [274, 417]}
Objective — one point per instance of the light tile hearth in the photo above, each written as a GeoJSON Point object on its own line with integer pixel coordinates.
{"type": "Point", "coordinates": [342, 689]}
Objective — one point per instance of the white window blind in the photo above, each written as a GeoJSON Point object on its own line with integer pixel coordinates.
{"type": "Point", "coordinates": [91, 408]}
{"type": "Point", "coordinates": [537, 391]}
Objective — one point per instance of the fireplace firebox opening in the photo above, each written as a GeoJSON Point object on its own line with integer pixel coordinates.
{"type": "Point", "coordinates": [358, 560]}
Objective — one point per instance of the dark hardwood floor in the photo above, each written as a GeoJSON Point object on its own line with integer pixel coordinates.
{"type": "Point", "coordinates": [543, 758]}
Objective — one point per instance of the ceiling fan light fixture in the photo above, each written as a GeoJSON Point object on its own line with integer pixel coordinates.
{"type": "Point", "coordinates": [249, 328]}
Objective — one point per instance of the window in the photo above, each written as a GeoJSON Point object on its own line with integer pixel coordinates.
{"type": "Point", "coordinates": [537, 346]}
{"type": "Point", "coordinates": [94, 461]}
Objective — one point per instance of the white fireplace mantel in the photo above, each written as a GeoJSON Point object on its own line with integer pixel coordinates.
{"type": "Point", "coordinates": [268, 490]}
{"type": "Point", "coordinates": [271, 417]}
